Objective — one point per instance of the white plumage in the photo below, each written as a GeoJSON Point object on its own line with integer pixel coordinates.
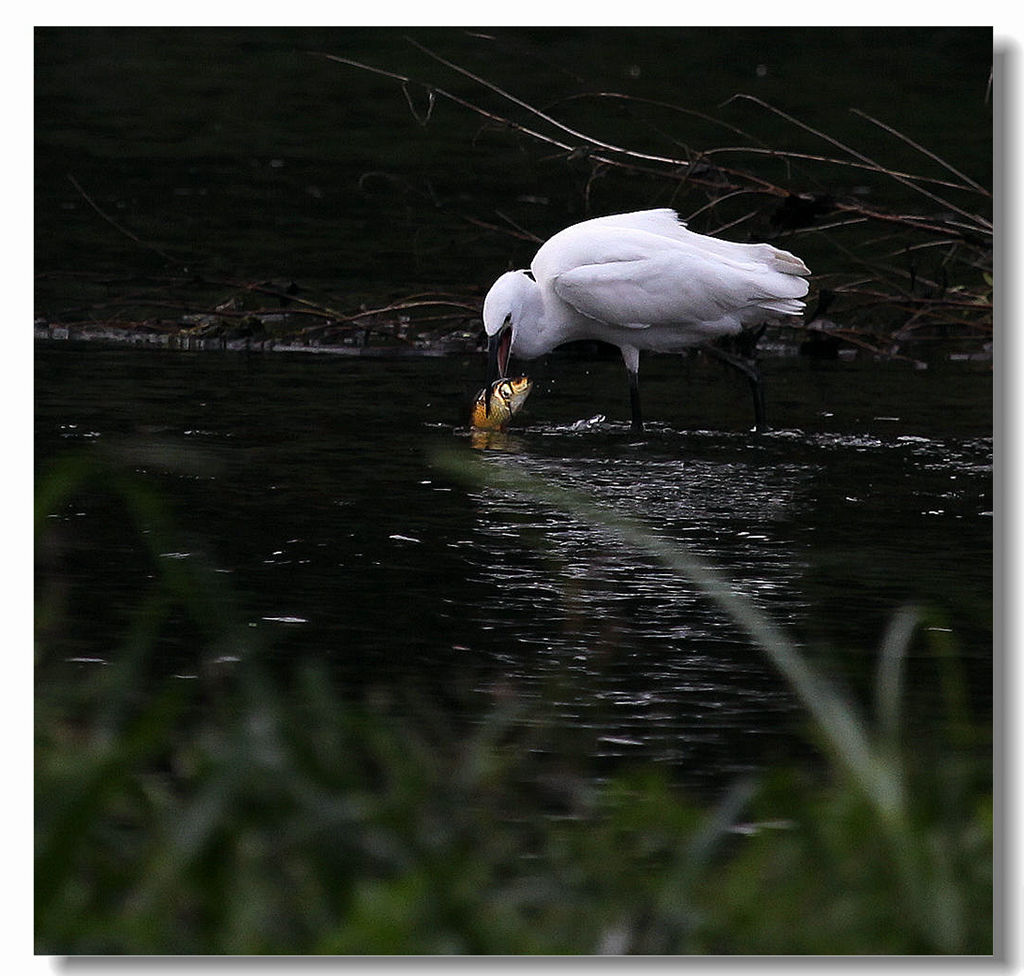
{"type": "Point", "coordinates": [640, 281]}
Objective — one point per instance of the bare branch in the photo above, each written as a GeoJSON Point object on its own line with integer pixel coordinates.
{"type": "Point", "coordinates": [909, 183]}
{"type": "Point", "coordinates": [921, 149]}
{"type": "Point", "coordinates": [498, 119]}
{"type": "Point", "coordinates": [832, 161]}
{"type": "Point", "coordinates": [629, 153]}
{"type": "Point", "coordinates": [113, 223]}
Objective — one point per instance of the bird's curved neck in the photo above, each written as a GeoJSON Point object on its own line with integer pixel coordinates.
{"type": "Point", "coordinates": [531, 338]}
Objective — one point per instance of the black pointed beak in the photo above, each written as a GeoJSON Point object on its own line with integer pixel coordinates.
{"type": "Point", "coordinates": [497, 361]}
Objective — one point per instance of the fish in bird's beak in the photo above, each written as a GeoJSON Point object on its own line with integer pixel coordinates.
{"type": "Point", "coordinates": [496, 405]}
{"type": "Point", "coordinates": [498, 347]}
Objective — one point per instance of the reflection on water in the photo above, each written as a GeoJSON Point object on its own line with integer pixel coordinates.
{"type": "Point", "coordinates": [307, 485]}
{"type": "Point", "coordinates": [638, 652]}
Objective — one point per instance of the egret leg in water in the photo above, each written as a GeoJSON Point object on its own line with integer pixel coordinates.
{"type": "Point", "coordinates": [745, 364]}
{"type": "Point", "coordinates": [642, 282]}
{"type": "Point", "coordinates": [637, 423]}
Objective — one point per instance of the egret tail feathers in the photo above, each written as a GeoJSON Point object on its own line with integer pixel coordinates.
{"type": "Point", "coordinates": [783, 306]}
{"type": "Point", "coordinates": [787, 263]}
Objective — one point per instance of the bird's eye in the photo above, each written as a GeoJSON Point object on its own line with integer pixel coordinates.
{"type": "Point", "coordinates": [508, 320]}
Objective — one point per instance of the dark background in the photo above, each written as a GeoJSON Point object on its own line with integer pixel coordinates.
{"type": "Point", "coordinates": [238, 152]}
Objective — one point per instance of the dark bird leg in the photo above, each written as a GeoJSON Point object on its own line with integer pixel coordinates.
{"type": "Point", "coordinates": [747, 366]}
{"type": "Point", "coordinates": [637, 423]}
{"type": "Point", "coordinates": [631, 357]}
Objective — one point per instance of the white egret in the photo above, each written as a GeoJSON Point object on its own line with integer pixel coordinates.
{"type": "Point", "coordinates": [641, 281]}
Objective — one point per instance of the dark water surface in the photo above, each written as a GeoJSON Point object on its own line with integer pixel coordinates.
{"type": "Point", "coordinates": [307, 483]}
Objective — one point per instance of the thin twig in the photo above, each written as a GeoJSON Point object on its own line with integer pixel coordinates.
{"type": "Point", "coordinates": [113, 223]}
{"type": "Point", "coordinates": [921, 149]}
{"type": "Point", "coordinates": [833, 161]}
{"type": "Point", "coordinates": [711, 204]}
{"type": "Point", "coordinates": [907, 220]}
{"type": "Point", "coordinates": [910, 184]}
{"type": "Point", "coordinates": [405, 306]}
{"type": "Point", "coordinates": [660, 104]}
{"type": "Point", "coordinates": [498, 119]}
{"type": "Point", "coordinates": [629, 153]}
{"type": "Point", "coordinates": [523, 235]}
{"type": "Point", "coordinates": [523, 232]}
{"type": "Point", "coordinates": [734, 223]}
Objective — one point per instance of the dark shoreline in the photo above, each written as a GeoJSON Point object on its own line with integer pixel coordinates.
{"type": "Point", "coordinates": [163, 336]}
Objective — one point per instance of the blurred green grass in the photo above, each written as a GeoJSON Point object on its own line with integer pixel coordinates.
{"type": "Point", "coordinates": [245, 813]}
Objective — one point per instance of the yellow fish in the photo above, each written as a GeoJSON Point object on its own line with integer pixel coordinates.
{"type": "Point", "coordinates": [507, 398]}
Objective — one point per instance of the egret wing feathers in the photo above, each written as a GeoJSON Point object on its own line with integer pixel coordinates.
{"type": "Point", "coordinates": [665, 223]}
{"type": "Point", "coordinates": [678, 287]}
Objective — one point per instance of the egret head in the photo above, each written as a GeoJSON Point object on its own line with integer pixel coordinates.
{"type": "Point", "coordinates": [503, 313]}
